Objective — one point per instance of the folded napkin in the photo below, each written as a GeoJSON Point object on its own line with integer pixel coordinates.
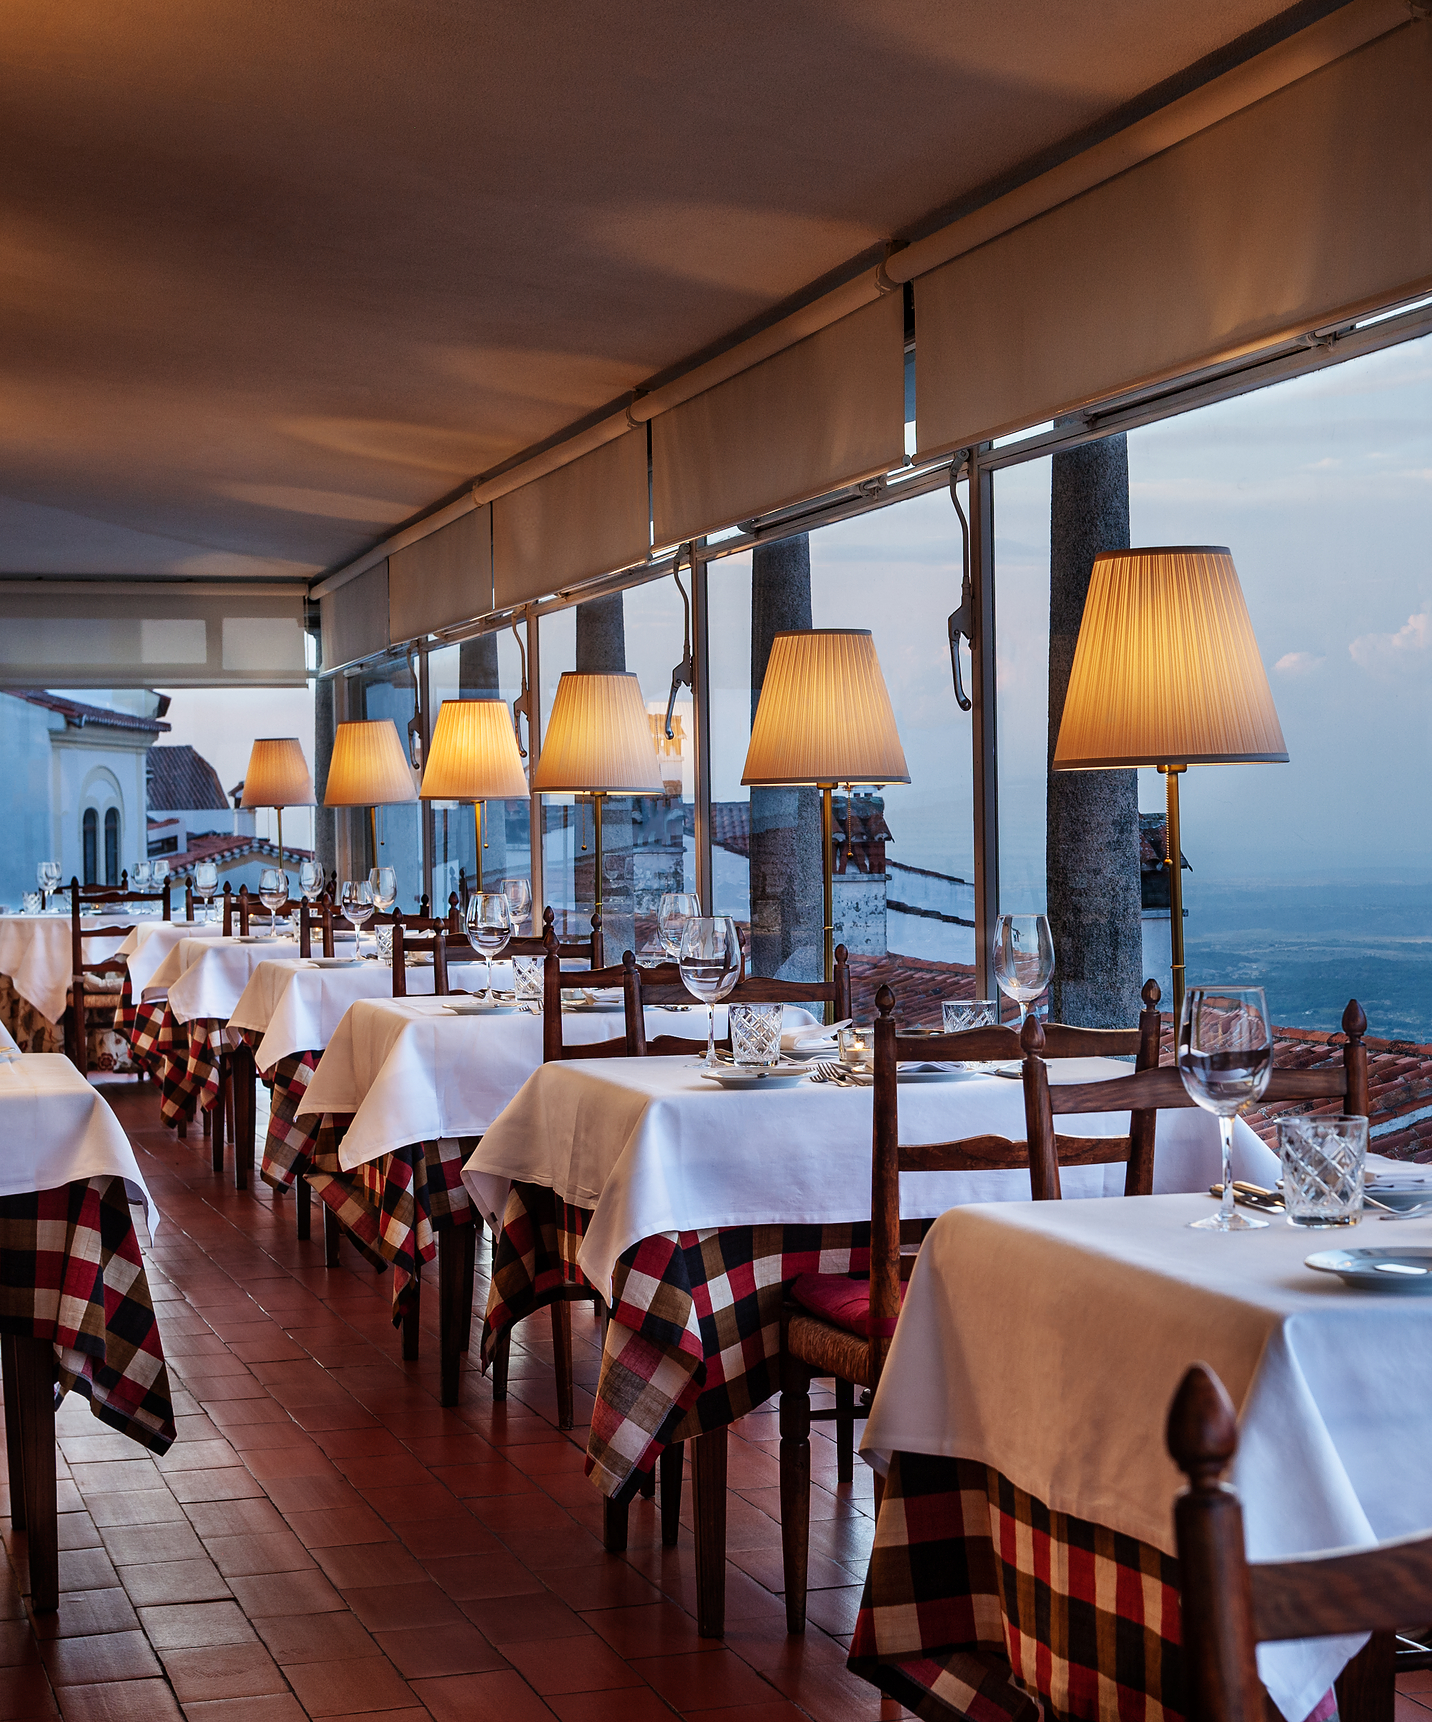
{"type": "Point", "coordinates": [807, 1037]}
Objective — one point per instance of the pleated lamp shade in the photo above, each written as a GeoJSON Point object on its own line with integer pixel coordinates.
{"type": "Point", "coordinates": [598, 739]}
{"type": "Point", "coordinates": [824, 714]}
{"type": "Point", "coordinates": [473, 755]}
{"type": "Point", "coordinates": [1166, 670]}
{"type": "Point", "coordinates": [369, 767]}
{"type": "Point", "coordinates": [278, 774]}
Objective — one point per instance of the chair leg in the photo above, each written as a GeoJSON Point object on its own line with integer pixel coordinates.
{"type": "Point", "coordinates": [453, 1283]}
{"type": "Point", "coordinates": [614, 1525]}
{"type": "Point", "coordinates": [562, 1359]}
{"type": "Point", "coordinates": [671, 1464]}
{"type": "Point", "coordinates": [14, 1424]}
{"type": "Point", "coordinates": [708, 1510]}
{"type": "Point", "coordinates": [303, 1208]}
{"type": "Point", "coordinates": [244, 1078]}
{"type": "Point", "coordinates": [330, 1237]}
{"type": "Point", "coordinates": [844, 1430]}
{"type": "Point", "coordinates": [795, 1487]}
{"type": "Point", "coordinates": [410, 1322]}
{"type": "Point", "coordinates": [1366, 1687]}
{"type": "Point", "coordinates": [35, 1379]}
{"type": "Point", "coordinates": [469, 1283]}
{"type": "Point", "coordinates": [646, 1488]}
{"type": "Point", "coordinates": [501, 1353]}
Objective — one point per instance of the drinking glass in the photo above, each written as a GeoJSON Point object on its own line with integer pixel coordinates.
{"type": "Point", "coordinates": [1225, 1057]}
{"type": "Point", "coordinates": [675, 910]}
{"type": "Point", "coordinates": [273, 894]}
{"type": "Point", "coordinates": [30, 902]}
{"type": "Point", "coordinates": [139, 875]}
{"type": "Point", "coordinates": [383, 882]}
{"type": "Point", "coordinates": [356, 901]}
{"type": "Point", "coordinates": [710, 959]}
{"type": "Point", "coordinates": [960, 1014]}
{"type": "Point", "coordinates": [489, 926]}
{"type": "Point", "coordinates": [651, 955]}
{"type": "Point", "coordinates": [527, 981]}
{"type": "Point", "coordinates": [518, 893]}
{"type": "Point", "coordinates": [158, 874]}
{"type": "Point", "coordinates": [756, 1034]}
{"type": "Point", "coordinates": [206, 882]}
{"type": "Point", "coordinates": [47, 876]}
{"type": "Point", "coordinates": [310, 880]}
{"type": "Point", "coordinates": [1324, 1162]}
{"type": "Point", "coordinates": [1023, 958]}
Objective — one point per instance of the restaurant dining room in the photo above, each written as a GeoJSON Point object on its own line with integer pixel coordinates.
{"type": "Point", "coordinates": [715, 953]}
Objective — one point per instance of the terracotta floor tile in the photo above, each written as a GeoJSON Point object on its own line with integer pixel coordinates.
{"type": "Point", "coordinates": [704, 1680]}
{"type": "Point", "coordinates": [467, 1577]}
{"type": "Point", "coordinates": [17, 1644]}
{"type": "Point", "coordinates": [487, 1477]}
{"type": "Point", "coordinates": [278, 1707]}
{"type": "Point", "coordinates": [458, 1534]}
{"type": "Point", "coordinates": [86, 1569]}
{"type": "Point", "coordinates": [78, 1531]}
{"type": "Point", "coordinates": [83, 1612]}
{"type": "Point", "coordinates": [232, 1483]}
{"type": "Point", "coordinates": [613, 1584]}
{"type": "Point", "coordinates": [25, 1694]}
{"type": "Point", "coordinates": [413, 1501]}
{"type": "Point", "coordinates": [340, 1688]}
{"type": "Point", "coordinates": [223, 1671]}
{"type": "Point", "coordinates": [173, 1581]}
{"type": "Point", "coordinates": [392, 1607]}
{"type": "Point", "coordinates": [420, 1653]}
{"type": "Point", "coordinates": [125, 1701]}
{"type": "Point", "coordinates": [517, 1619]}
{"type": "Point", "coordinates": [307, 1592]}
{"type": "Point", "coordinates": [195, 1626]}
{"type": "Point", "coordinates": [629, 1704]}
{"type": "Point", "coordinates": [501, 1697]}
{"type": "Point", "coordinates": [365, 1442]}
{"type": "Point", "coordinates": [135, 1545]}
{"type": "Point", "coordinates": [271, 1463]}
{"type": "Point", "coordinates": [382, 1471]}
{"type": "Point", "coordinates": [105, 1656]}
{"type": "Point", "coordinates": [307, 1494]}
{"type": "Point", "coordinates": [358, 1566]}
{"type": "Point", "coordinates": [525, 1513]}
{"type": "Point", "coordinates": [145, 1507]}
{"type": "Point", "coordinates": [337, 1527]}
{"type": "Point", "coordinates": [255, 1516]}
{"type": "Point", "coordinates": [774, 1710]}
{"type": "Point", "coordinates": [571, 1665]}
{"type": "Point", "coordinates": [656, 1629]}
{"type": "Point", "coordinates": [314, 1637]}
{"type": "Point", "coordinates": [268, 1552]}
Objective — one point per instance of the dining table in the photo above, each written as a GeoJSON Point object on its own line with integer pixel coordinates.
{"type": "Point", "coordinates": [689, 1209]}
{"type": "Point", "coordinates": [75, 1306]}
{"type": "Point", "coordinates": [36, 968]}
{"type": "Point", "coordinates": [1024, 1551]}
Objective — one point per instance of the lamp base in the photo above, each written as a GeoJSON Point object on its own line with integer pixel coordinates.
{"type": "Point", "coordinates": [1173, 858]}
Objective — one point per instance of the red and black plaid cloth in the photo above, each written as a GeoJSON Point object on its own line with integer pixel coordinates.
{"type": "Point", "coordinates": [694, 1339]}
{"type": "Point", "coordinates": [71, 1272]}
{"type": "Point", "coordinates": [292, 1141]}
{"type": "Point", "coordinates": [978, 1595]}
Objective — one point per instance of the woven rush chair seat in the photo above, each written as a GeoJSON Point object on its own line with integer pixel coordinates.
{"type": "Point", "coordinates": [836, 1300]}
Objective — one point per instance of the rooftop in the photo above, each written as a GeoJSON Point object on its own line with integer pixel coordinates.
{"type": "Point", "coordinates": [78, 715]}
{"type": "Point", "coordinates": [179, 777]}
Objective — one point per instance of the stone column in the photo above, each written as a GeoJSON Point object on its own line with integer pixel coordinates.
{"type": "Point", "coordinates": [1092, 817]}
{"type": "Point", "coordinates": [325, 819]}
{"type": "Point", "coordinates": [601, 649]}
{"type": "Point", "coordinates": [787, 899]}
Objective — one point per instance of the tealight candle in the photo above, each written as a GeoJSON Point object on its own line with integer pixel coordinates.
{"type": "Point", "coordinates": [857, 1046]}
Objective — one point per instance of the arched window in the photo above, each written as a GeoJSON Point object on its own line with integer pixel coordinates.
{"type": "Point", "coordinates": [91, 846]}
{"type": "Point", "coordinates": [111, 847]}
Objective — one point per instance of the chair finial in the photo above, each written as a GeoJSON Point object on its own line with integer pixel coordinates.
{"type": "Point", "coordinates": [1354, 1020]}
{"type": "Point", "coordinates": [1202, 1427]}
{"type": "Point", "coordinates": [885, 1001]}
{"type": "Point", "coordinates": [1151, 994]}
{"type": "Point", "coordinates": [1031, 1036]}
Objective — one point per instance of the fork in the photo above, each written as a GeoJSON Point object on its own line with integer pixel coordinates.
{"type": "Point", "coordinates": [838, 1074]}
{"type": "Point", "coordinates": [1417, 1213]}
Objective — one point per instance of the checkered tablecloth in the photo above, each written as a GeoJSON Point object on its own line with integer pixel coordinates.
{"type": "Point", "coordinates": [694, 1337]}
{"type": "Point", "coordinates": [977, 1596]}
{"type": "Point", "coordinates": [71, 1272]}
{"type": "Point", "coordinates": [291, 1142]}
{"type": "Point", "coordinates": [184, 1056]}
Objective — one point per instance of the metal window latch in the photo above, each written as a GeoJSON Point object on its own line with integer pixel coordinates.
{"type": "Point", "coordinates": [522, 705]}
{"type": "Point", "coordinates": [683, 674]}
{"type": "Point", "coordinates": [962, 621]}
{"type": "Point", "coordinates": [415, 722]}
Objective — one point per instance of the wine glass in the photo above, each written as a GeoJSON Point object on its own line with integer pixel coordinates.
{"type": "Point", "coordinates": [273, 893]}
{"type": "Point", "coordinates": [675, 910]}
{"type": "Point", "coordinates": [518, 893]}
{"type": "Point", "coordinates": [356, 901]}
{"type": "Point", "coordinates": [1225, 1057]}
{"type": "Point", "coordinates": [47, 877]}
{"type": "Point", "coordinates": [1023, 958]}
{"type": "Point", "coordinates": [710, 958]}
{"type": "Point", "coordinates": [158, 873]}
{"type": "Point", "coordinates": [206, 882]}
{"type": "Point", "coordinates": [310, 880]}
{"type": "Point", "coordinates": [489, 926]}
{"type": "Point", "coordinates": [384, 883]}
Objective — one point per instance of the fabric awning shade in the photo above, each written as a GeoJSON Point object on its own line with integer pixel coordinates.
{"type": "Point", "coordinates": [824, 714]}
{"type": "Point", "coordinates": [473, 755]}
{"type": "Point", "coordinates": [368, 767]}
{"type": "Point", "coordinates": [172, 634]}
{"type": "Point", "coordinates": [354, 619]}
{"type": "Point", "coordinates": [1166, 669]}
{"type": "Point", "coordinates": [278, 774]}
{"type": "Point", "coordinates": [443, 579]}
{"type": "Point", "coordinates": [586, 519]}
{"type": "Point", "coordinates": [1311, 206]}
{"type": "Point", "coordinates": [827, 412]}
{"type": "Point", "coordinates": [598, 739]}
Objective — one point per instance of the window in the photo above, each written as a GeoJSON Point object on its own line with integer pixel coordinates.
{"type": "Point", "coordinates": [111, 846]}
{"type": "Point", "coordinates": [91, 846]}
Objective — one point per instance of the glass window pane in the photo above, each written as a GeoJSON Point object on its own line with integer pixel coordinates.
{"type": "Point", "coordinates": [386, 691]}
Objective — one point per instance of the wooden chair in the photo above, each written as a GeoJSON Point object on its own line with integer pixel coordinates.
{"type": "Point", "coordinates": [663, 984]}
{"type": "Point", "coordinates": [588, 952]}
{"type": "Point", "coordinates": [86, 1000]}
{"type": "Point", "coordinates": [1230, 1606]}
{"type": "Point", "coordinates": [416, 935]}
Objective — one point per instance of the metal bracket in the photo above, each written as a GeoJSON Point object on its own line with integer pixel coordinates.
{"type": "Point", "coordinates": [415, 722]}
{"type": "Point", "coordinates": [962, 621]}
{"type": "Point", "coordinates": [684, 673]}
{"type": "Point", "coordinates": [522, 705]}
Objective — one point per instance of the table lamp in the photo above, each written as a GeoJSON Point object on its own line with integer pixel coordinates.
{"type": "Point", "coordinates": [824, 718]}
{"type": "Point", "coordinates": [473, 757]}
{"type": "Point", "coordinates": [277, 777]}
{"type": "Point", "coordinates": [1167, 673]}
{"type": "Point", "coordinates": [368, 769]}
{"type": "Point", "coordinates": [598, 742]}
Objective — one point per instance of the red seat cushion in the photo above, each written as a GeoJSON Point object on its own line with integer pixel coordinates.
{"type": "Point", "coordinates": [838, 1299]}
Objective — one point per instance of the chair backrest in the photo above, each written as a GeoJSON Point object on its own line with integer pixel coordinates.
{"type": "Point", "coordinates": [588, 951]}
{"type": "Point", "coordinates": [554, 1045]}
{"type": "Point", "coordinates": [421, 934]}
{"type": "Point", "coordinates": [316, 914]}
{"type": "Point", "coordinates": [122, 894]}
{"type": "Point", "coordinates": [80, 931]}
{"type": "Point", "coordinates": [1230, 1606]}
{"type": "Point", "coordinates": [662, 984]}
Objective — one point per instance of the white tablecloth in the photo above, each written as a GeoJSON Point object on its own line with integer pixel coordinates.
{"type": "Point", "coordinates": [414, 1074]}
{"type": "Point", "coordinates": [1048, 1341]}
{"type": "Point", "coordinates": [150, 942]}
{"type": "Point", "coordinates": [206, 977]}
{"type": "Point", "coordinates": [57, 1129]}
{"type": "Point", "coordinates": [35, 953]}
{"type": "Point", "coordinates": [653, 1147]}
{"type": "Point", "coordinates": [298, 1006]}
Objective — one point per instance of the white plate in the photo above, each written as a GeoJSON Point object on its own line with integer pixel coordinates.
{"type": "Point", "coordinates": [930, 1073]}
{"type": "Point", "coordinates": [600, 1005]}
{"type": "Point", "coordinates": [1377, 1270]}
{"type": "Point", "coordinates": [255, 939]}
{"type": "Point", "coordinates": [728, 1078]}
{"type": "Point", "coordinates": [478, 1007]}
{"type": "Point", "coordinates": [334, 962]}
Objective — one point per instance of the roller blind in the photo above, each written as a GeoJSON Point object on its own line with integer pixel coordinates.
{"type": "Point", "coordinates": [111, 634]}
{"type": "Point", "coordinates": [441, 580]}
{"type": "Point", "coordinates": [826, 412]}
{"type": "Point", "coordinates": [1312, 205]}
{"type": "Point", "coordinates": [355, 618]}
{"type": "Point", "coordinates": [588, 518]}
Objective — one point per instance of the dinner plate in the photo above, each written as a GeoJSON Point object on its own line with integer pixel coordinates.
{"type": "Point", "coordinates": [930, 1073]}
{"type": "Point", "coordinates": [597, 1005]}
{"type": "Point", "coordinates": [334, 962]}
{"type": "Point", "coordinates": [478, 1007]}
{"type": "Point", "coordinates": [1377, 1270]}
{"type": "Point", "coordinates": [729, 1078]}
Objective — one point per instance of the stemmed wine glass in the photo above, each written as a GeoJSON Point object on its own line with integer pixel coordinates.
{"type": "Point", "coordinates": [489, 926]}
{"type": "Point", "coordinates": [518, 893]}
{"type": "Point", "coordinates": [710, 959]}
{"type": "Point", "coordinates": [310, 880]}
{"type": "Point", "coordinates": [384, 883]}
{"type": "Point", "coordinates": [1023, 958]}
{"type": "Point", "coordinates": [139, 881]}
{"type": "Point", "coordinates": [1225, 1057]}
{"type": "Point", "coordinates": [273, 894]}
{"type": "Point", "coordinates": [47, 877]}
{"type": "Point", "coordinates": [206, 882]}
{"type": "Point", "coordinates": [675, 910]}
{"type": "Point", "coordinates": [158, 874]}
{"type": "Point", "coordinates": [356, 901]}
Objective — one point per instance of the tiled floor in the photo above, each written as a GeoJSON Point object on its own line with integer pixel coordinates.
{"type": "Point", "coordinates": [324, 1540]}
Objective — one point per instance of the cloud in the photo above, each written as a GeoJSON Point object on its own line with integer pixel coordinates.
{"type": "Point", "coordinates": [1297, 663]}
{"type": "Point", "coordinates": [1407, 647]}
